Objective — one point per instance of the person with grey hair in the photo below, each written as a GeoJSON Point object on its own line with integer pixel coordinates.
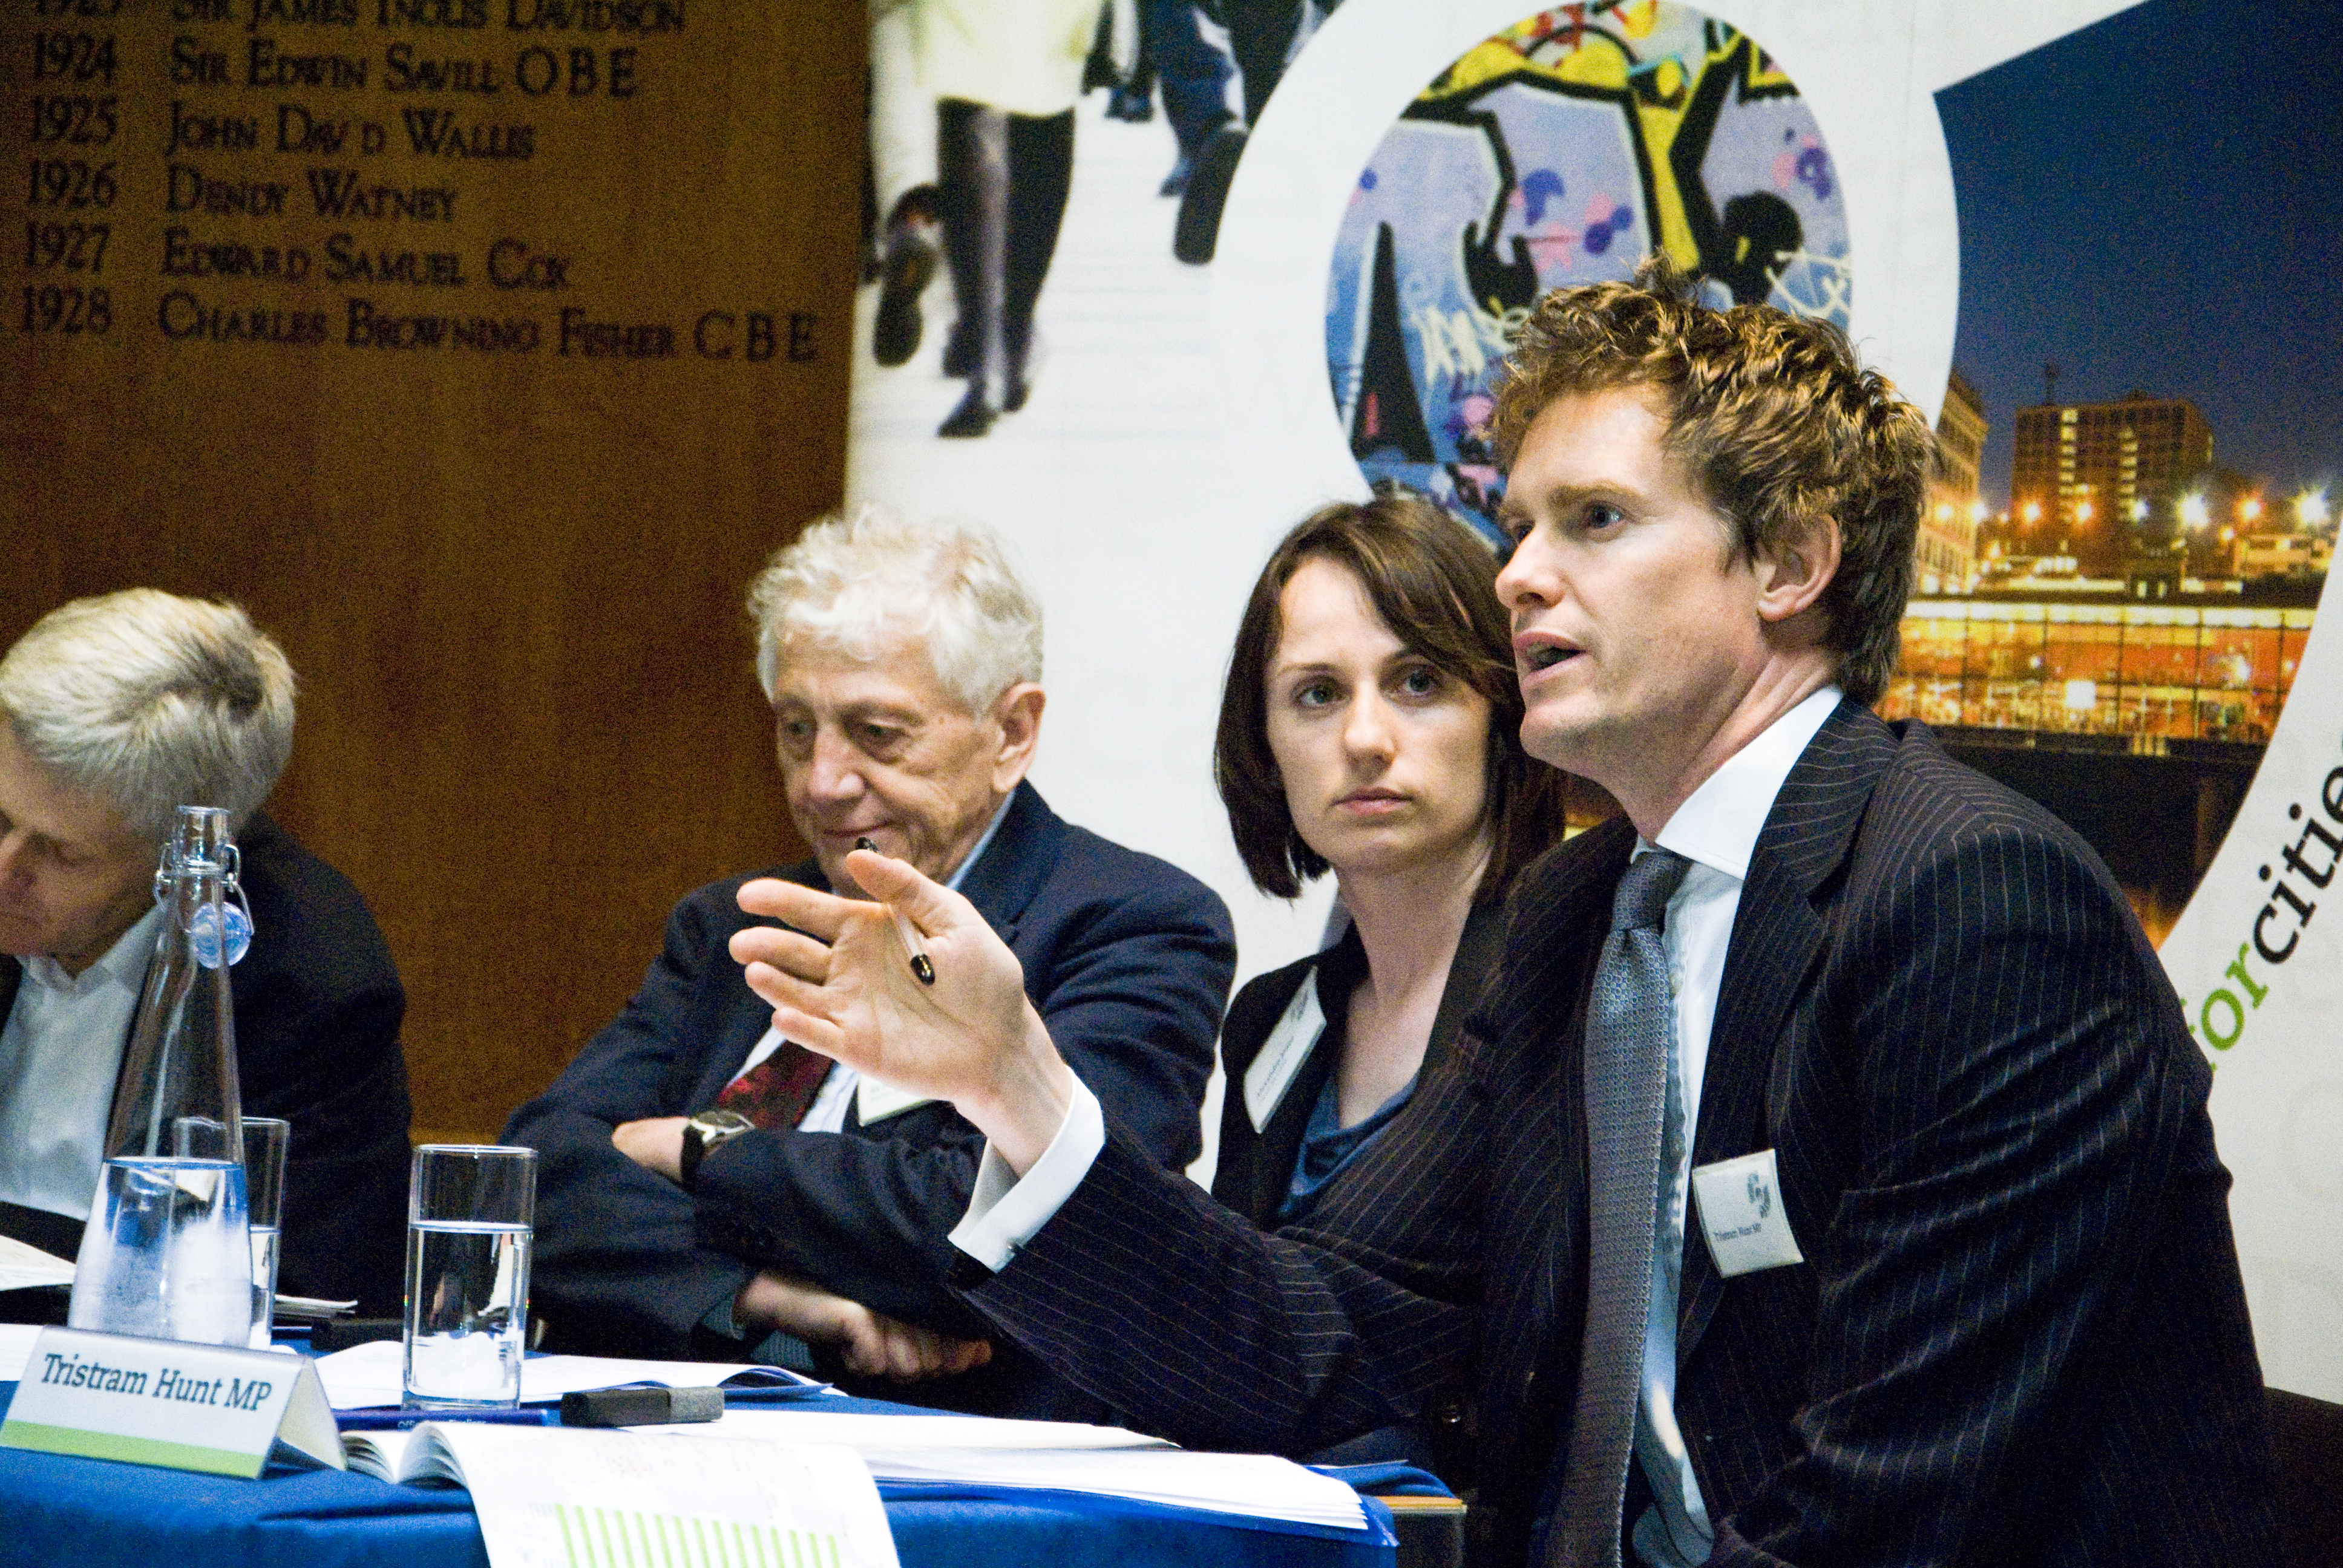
{"type": "Point", "coordinates": [710, 1188]}
{"type": "Point", "coordinates": [118, 710]}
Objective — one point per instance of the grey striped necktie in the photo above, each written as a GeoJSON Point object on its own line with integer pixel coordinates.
{"type": "Point", "coordinates": [1630, 1020]}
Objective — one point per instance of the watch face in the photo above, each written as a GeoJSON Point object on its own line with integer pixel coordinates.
{"type": "Point", "coordinates": [716, 1126]}
{"type": "Point", "coordinates": [705, 1131]}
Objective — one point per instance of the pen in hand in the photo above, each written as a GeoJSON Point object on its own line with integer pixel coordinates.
{"type": "Point", "coordinates": [922, 965]}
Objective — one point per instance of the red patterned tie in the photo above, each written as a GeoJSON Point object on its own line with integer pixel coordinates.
{"type": "Point", "coordinates": [776, 1092]}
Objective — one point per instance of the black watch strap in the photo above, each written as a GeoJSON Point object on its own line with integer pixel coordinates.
{"type": "Point", "coordinates": [703, 1132]}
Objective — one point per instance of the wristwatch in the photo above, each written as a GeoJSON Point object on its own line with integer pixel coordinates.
{"type": "Point", "coordinates": [703, 1132]}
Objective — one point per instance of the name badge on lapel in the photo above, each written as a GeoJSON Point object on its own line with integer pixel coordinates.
{"type": "Point", "coordinates": [1743, 1216]}
{"type": "Point", "coordinates": [1283, 1053]}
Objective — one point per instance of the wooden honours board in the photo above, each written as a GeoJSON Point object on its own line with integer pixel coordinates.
{"type": "Point", "coordinates": [544, 180]}
{"type": "Point", "coordinates": [482, 348]}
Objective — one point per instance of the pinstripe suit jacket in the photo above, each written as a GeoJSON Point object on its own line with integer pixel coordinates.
{"type": "Point", "coordinates": [2019, 1336]}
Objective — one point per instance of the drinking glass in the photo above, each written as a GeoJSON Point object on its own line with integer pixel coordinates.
{"type": "Point", "coordinates": [264, 1192]}
{"type": "Point", "coordinates": [468, 1211]}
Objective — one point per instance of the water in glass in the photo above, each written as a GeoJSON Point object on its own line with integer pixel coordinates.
{"type": "Point", "coordinates": [167, 1242]}
{"type": "Point", "coordinates": [467, 1311]}
{"type": "Point", "coordinates": [264, 1284]}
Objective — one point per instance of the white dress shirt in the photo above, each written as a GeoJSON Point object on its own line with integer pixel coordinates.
{"type": "Point", "coordinates": [1716, 830]}
{"type": "Point", "coordinates": [841, 1087]}
{"type": "Point", "coordinates": [60, 1052]}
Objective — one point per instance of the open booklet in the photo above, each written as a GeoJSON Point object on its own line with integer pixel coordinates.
{"type": "Point", "coordinates": [591, 1499]}
{"type": "Point", "coordinates": [422, 1453]}
{"type": "Point", "coordinates": [969, 1454]}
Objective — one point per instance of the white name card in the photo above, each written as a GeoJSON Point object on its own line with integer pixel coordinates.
{"type": "Point", "coordinates": [1741, 1213]}
{"type": "Point", "coordinates": [1289, 1045]}
{"type": "Point", "coordinates": [161, 1402]}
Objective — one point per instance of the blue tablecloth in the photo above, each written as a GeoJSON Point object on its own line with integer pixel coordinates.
{"type": "Point", "coordinates": [96, 1515]}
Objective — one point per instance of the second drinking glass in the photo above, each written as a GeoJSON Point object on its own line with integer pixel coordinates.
{"type": "Point", "coordinates": [468, 1212]}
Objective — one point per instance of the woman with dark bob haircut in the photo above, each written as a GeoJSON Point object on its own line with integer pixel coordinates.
{"type": "Point", "coordinates": [1371, 726]}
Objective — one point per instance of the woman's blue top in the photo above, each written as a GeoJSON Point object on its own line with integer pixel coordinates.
{"type": "Point", "coordinates": [1327, 1146]}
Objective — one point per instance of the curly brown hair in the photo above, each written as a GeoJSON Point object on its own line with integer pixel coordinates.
{"type": "Point", "coordinates": [1781, 427]}
{"type": "Point", "coordinates": [1434, 583]}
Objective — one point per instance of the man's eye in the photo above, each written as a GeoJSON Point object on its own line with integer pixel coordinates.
{"type": "Point", "coordinates": [879, 736]}
{"type": "Point", "coordinates": [1600, 517]}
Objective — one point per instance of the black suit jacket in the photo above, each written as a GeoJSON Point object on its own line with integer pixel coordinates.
{"type": "Point", "coordinates": [1127, 958]}
{"type": "Point", "coordinates": [2019, 1336]}
{"type": "Point", "coordinates": [317, 1010]}
{"type": "Point", "coordinates": [1255, 1169]}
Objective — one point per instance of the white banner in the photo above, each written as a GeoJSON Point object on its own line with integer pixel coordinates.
{"type": "Point", "coordinates": [1180, 417]}
{"type": "Point", "coordinates": [2261, 979]}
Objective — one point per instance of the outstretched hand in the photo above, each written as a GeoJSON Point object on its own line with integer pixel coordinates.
{"type": "Point", "coordinates": [870, 1343]}
{"type": "Point", "coordinates": [841, 983]}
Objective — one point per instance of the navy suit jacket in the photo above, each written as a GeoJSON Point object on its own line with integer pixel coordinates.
{"type": "Point", "coordinates": [2019, 1335]}
{"type": "Point", "coordinates": [1127, 958]}
{"type": "Point", "coordinates": [317, 1010]}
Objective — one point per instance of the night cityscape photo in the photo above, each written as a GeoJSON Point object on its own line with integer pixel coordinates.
{"type": "Point", "coordinates": [2136, 505]}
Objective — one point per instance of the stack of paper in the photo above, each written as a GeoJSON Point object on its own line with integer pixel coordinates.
{"type": "Point", "coordinates": [971, 1451]}
{"type": "Point", "coordinates": [963, 1450]}
{"type": "Point", "coordinates": [861, 1431]}
{"type": "Point", "coordinates": [1054, 1457]}
{"type": "Point", "coordinates": [22, 1267]}
{"type": "Point", "coordinates": [1252, 1486]}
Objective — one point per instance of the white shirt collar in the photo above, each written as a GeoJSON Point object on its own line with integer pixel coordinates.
{"type": "Point", "coordinates": [125, 963]}
{"type": "Point", "coordinates": [983, 842]}
{"type": "Point", "coordinates": [1719, 823]}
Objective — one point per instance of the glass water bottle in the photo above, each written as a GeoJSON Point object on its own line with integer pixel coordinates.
{"type": "Point", "coordinates": [167, 1252]}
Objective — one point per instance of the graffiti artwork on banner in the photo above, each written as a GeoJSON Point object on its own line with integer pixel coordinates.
{"type": "Point", "coordinates": [1560, 152]}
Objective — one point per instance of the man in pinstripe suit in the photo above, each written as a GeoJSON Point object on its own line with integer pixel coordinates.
{"type": "Point", "coordinates": [1981, 1303]}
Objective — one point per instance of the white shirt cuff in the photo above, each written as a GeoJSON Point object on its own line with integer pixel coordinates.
{"type": "Point", "coordinates": [1005, 1212]}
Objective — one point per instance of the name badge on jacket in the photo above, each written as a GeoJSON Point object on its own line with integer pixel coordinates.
{"type": "Point", "coordinates": [1743, 1215]}
{"type": "Point", "coordinates": [1283, 1053]}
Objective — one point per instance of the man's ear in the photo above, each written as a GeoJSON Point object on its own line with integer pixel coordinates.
{"type": "Point", "coordinates": [1018, 712]}
{"type": "Point", "coordinates": [1792, 573]}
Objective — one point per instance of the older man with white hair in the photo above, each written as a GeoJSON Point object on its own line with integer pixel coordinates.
{"type": "Point", "coordinates": [708, 1188]}
{"type": "Point", "coordinates": [118, 710]}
